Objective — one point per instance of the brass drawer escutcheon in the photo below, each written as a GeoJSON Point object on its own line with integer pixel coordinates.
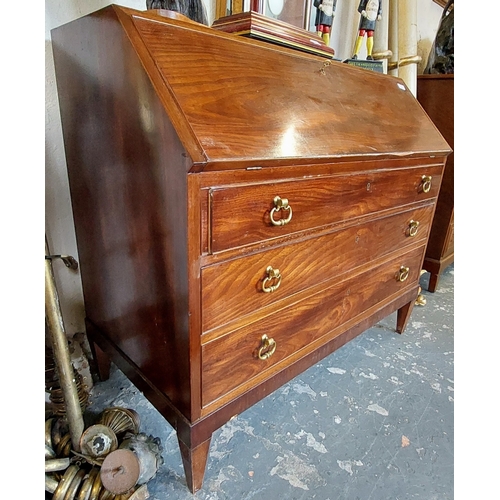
{"type": "Point", "coordinates": [273, 275]}
{"type": "Point", "coordinates": [267, 348]}
{"type": "Point", "coordinates": [413, 228]}
{"type": "Point", "coordinates": [280, 204]}
{"type": "Point", "coordinates": [403, 273]}
{"type": "Point", "coordinates": [426, 183]}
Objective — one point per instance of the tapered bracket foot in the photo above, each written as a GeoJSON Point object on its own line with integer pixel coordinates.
{"type": "Point", "coordinates": [195, 462]}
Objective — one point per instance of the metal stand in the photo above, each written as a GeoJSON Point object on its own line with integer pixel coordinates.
{"type": "Point", "coordinates": [61, 355]}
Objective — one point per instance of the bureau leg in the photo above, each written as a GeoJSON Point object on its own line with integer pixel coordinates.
{"type": "Point", "coordinates": [101, 361]}
{"type": "Point", "coordinates": [433, 282]}
{"type": "Point", "coordinates": [194, 461]}
{"type": "Point", "coordinates": [404, 314]}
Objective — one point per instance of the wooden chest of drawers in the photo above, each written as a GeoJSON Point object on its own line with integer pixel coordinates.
{"type": "Point", "coordinates": [242, 210]}
{"type": "Point", "coordinates": [436, 95]}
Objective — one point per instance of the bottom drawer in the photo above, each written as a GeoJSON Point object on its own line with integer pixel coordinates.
{"type": "Point", "coordinates": [233, 361]}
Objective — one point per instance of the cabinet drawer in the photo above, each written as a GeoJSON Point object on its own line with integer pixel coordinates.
{"type": "Point", "coordinates": [302, 265]}
{"type": "Point", "coordinates": [244, 214]}
{"type": "Point", "coordinates": [232, 361]}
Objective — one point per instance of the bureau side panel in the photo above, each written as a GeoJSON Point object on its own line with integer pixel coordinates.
{"type": "Point", "coordinates": [127, 173]}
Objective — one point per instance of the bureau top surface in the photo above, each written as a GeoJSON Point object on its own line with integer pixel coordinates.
{"type": "Point", "coordinates": [233, 99]}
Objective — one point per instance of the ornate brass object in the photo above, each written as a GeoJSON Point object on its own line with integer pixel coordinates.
{"type": "Point", "coordinates": [49, 453]}
{"type": "Point", "coordinates": [65, 482]}
{"type": "Point", "coordinates": [274, 276]}
{"type": "Point", "coordinates": [98, 441]}
{"type": "Point", "coordinates": [426, 183]}
{"type": "Point", "coordinates": [421, 300]}
{"type": "Point", "coordinates": [385, 54]}
{"type": "Point", "coordinates": [57, 464]}
{"type": "Point", "coordinates": [404, 61]}
{"type": "Point", "coordinates": [63, 448]}
{"type": "Point", "coordinates": [68, 260]}
{"type": "Point", "coordinates": [51, 484]}
{"type": "Point", "coordinates": [267, 348]}
{"type": "Point", "coordinates": [75, 484]}
{"type": "Point", "coordinates": [140, 493]}
{"type": "Point", "coordinates": [280, 204]}
{"type": "Point", "coordinates": [120, 471]}
{"type": "Point", "coordinates": [85, 490]}
{"type": "Point", "coordinates": [120, 420]}
{"type": "Point", "coordinates": [325, 65]}
{"type": "Point", "coordinates": [62, 356]}
{"type": "Point", "coordinates": [403, 273]}
{"type": "Point", "coordinates": [48, 432]}
{"type": "Point", "coordinates": [413, 228]}
{"type": "Point", "coordinates": [96, 487]}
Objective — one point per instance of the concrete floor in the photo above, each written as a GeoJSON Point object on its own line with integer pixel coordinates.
{"type": "Point", "coordinates": [372, 421]}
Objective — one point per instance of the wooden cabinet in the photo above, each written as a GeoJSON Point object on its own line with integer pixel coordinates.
{"type": "Point", "coordinates": [241, 209]}
{"type": "Point", "coordinates": [436, 95]}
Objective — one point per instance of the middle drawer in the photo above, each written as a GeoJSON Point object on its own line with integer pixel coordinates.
{"type": "Point", "coordinates": [252, 282]}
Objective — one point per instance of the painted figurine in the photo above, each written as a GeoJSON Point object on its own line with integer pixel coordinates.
{"type": "Point", "coordinates": [371, 12]}
{"type": "Point", "coordinates": [324, 18]}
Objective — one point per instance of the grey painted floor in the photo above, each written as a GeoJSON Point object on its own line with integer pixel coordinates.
{"type": "Point", "coordinates": [372, 421]}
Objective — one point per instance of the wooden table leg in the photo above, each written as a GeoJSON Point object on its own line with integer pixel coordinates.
{"type": "Point", "coordinates": [404, 314]}
{"type": "Point", "coordinates": [102, 363]}
{"type": "Point", "coordinates": [433, 282]}
{"type": "Point", "coordinates": [194, 461]}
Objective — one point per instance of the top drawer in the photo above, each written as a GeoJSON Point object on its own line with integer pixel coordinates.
{"type": "Point", "coordinates": [242, 215]}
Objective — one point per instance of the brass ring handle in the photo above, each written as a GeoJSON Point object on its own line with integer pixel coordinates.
{"type": "Point", "coordinates": [267, 348]}
{"type": "Point", "coordinates": [273, 275]}
{"type": "Point", "coordinates": [413, 228]}
{"type": "Point", "coordinates": [280, 204]}
{"type": "Point", "coordinates": [426, 183]}
{"type": "Point", "coordinates": [403, 273]}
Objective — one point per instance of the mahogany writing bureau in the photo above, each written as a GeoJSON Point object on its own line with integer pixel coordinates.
{"type": "Point", "coordinates": [241, 209]}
